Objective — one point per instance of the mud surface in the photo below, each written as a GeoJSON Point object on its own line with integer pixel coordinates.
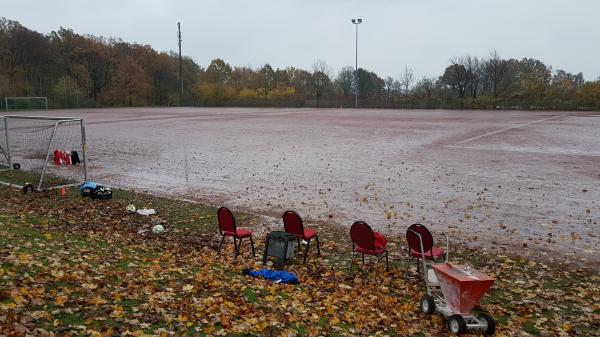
{"type": "Point", "coordinates": [512, 181]}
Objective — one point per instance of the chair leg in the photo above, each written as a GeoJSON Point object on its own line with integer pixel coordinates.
{"type": "Point", "coordinates": [220, 244]}
{"type": "Point", "coordinates": [318, 247]}
{"type": "Point", "coordinates": [239, 247]}
{"type": "Point", "coordinates": [408, 259]}
{"type": "Point", "coordinates": [387, 264]}
{"type": "Point", "coordinates": [363, 258]}
{"type": "Point", "coordinates": [235, 248]}
{"type": "Point", "coordinates": [306, 251]}
{"type": "Point", "coordinates": [266, 250]}
{"type": "Point", "coordinates": [252, 245]}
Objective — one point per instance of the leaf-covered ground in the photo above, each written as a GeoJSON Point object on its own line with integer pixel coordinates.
{"type": "Point", "coordinates": [78, 267]}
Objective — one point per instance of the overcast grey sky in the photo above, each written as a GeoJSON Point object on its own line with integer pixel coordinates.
{"type": "Point", "coordinates": [422, 34]}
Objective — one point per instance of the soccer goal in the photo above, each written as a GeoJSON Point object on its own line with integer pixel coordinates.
{"type": "Point", "coordinates": [47, 152]}
{"type": "Point", "coordinates": [25, 103]}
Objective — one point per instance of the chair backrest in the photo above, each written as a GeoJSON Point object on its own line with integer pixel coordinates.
{"type": "Point", "coordinates": [362, 235]}
{"type": "Point", "coordinates": [226, 220]}
{"type": "Point", "coordinates": [414, 242]}
{"type": "Point", "coordinates": [292, 223]}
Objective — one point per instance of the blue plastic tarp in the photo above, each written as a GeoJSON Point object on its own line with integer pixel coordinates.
{"type": "Point", "coordinates": [277, 276]}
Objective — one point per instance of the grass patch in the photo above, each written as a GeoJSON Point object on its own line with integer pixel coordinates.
{"type": "Point", "coordinates": [21, 177]}
{"type": "Point", "coordinates": [251, 295]}
{"type": "Point", "coordinates": [95, 252]}
{"type": "Point", "coordinates": [530, 328]}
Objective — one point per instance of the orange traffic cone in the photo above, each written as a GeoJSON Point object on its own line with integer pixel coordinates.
{"type": "Point", "coordinates": [63, 192]}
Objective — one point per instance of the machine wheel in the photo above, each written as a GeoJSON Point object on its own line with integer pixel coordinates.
{"type": "Point", "coordinates": [491, 324]}
{"type": "Point", "coordinates": [457, 324]}
{"type": "Point", "coordinates": [28, 188]}
{"type": "Point", "coordinates": [427, 305]}
{"type": "Point", "coordinates": [16, 166]}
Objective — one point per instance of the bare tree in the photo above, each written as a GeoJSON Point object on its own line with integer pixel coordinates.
{"type": "Point", "coordinates": [494, 69]}
{"type": "Point", "coordinates": [389, 87]}
{"type": "Point", "coordinates": [426, 85]}
{"type": "Point", "coordinates": [407, 78]}
{"type": "Point", "coordinates": [473, 73]}
{"type": "Point", "coordinates": [320, 78]}
{"type": "Point", "coordinates": [473, 66]}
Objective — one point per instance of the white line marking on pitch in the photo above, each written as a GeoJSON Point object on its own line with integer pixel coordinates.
{"type": "Point", "coordinates": [527, 151]}
{"type": "Point", "coordinates": [503, 130]}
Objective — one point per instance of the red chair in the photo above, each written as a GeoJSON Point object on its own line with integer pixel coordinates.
{"type": "Point", "coordinates": [292, 223]}
{"type": "Point", "coordinates": [227, 227]}
{"type": "Point", "coordinates": [366, 241]}
{"type": "Point", "coordinates": [420, 246]}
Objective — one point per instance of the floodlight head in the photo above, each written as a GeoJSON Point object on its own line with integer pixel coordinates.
{"type": "Point", "coordinates": [353, 21]}
{"type": "Point", "coordinates": [359, 20]}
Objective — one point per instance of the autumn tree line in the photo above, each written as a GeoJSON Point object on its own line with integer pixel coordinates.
{"type": "Point", "coordinates": [74, 70]}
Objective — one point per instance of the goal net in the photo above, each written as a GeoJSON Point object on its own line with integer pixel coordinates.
{"type": "Point", "coordinates": [25, 103]}
{"type": "Point", "coordinates": [47, 152]}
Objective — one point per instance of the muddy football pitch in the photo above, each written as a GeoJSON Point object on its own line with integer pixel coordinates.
{"type": "Point", "coordinates": [524, 182]}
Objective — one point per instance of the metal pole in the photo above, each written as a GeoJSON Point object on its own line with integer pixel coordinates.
{"type": "Point", "coordinates": [356, 22]}
{"type": "Point", "coordinates": [180, 72]}
{"type": "Point", "coordinates": [356, 69]}
{"type": "Point", "coordinates": [48, 155]}
{"type": "Point", "coordinates": [7, 143]}
{"type": "Point", "coordinates": [84, 152]}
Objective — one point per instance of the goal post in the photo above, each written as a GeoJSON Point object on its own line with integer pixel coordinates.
{"type": "Point", "coordinates": [26, 103]}
{"type": "Point", "coordinates": [47, 152]}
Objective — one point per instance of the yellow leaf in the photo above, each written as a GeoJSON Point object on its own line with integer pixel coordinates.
{"type": "Point", "coordinates": [24, 258]}
{"type": "Point", "coordinates": [60, 300]}
{"type": "Point", "coordinates": [58, 274]}
{"type": "Point", "coordinates": [48, 236]}
{"type": "Point", "coordinates": [24, 291]}
{"type": "Point", "coordinates": [90, 286]}
{"type": "Point", "coordinates": [209, 329]}
{"type": "Point", "coordinates": [18, 299]}
{"type": "Point", "coordinates": [117, 313]}
{"type": "Point", "coordinates": [187, 288]}
{"type": "Point", "coordinates": [225, 321]}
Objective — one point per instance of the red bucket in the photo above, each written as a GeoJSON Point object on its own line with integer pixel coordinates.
{"type": "Point", "coordinates": [462, 287]}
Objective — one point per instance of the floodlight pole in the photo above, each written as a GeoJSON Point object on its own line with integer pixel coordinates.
{"type": "Point", "coordinates": [356, 22]}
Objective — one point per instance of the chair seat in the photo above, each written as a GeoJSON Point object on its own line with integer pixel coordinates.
{"type": "Point", "coordinates": [375, 252]}
{"type": "Point", "coordinates": [309, 233]}
{"type": "Point", "coordinates": [239, 233]}
{"type": "Point", "coordinates": [435, 251]}
{"type": "Point", "coordinates": [380, 246]}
